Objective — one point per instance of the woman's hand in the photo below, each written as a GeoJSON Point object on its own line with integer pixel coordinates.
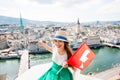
{"type": "Point", "coordinates": [65, 64]}
{"type": "Point", "coordinates": [41, 43]}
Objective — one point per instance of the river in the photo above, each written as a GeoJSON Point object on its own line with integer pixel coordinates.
{"type": "Point", "coordinates": [105, 58]}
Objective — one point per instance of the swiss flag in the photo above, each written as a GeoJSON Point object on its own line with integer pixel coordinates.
{"type": "Point", "coordinates": [82, 57]}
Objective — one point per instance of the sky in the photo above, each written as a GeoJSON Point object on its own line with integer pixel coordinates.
{"type": "Point", "coordinates": [62, 10]}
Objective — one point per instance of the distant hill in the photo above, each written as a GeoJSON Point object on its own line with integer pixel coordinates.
{"type": "Point", "coordinates": [12, 20]}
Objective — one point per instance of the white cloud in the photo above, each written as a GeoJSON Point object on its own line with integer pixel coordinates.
{"type": "Point", "coordinates": [62, 10]}
{"type": "Point", "coordinates": [44, 1]}
{"type": "Point", "coordinates": [110, 11]}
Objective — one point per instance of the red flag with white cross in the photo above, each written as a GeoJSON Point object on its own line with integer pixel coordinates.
{"type": "Point", "coordinates": [82, 57]}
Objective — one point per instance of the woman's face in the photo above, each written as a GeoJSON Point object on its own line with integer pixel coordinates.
{"type": "Point", "coordinates": [59, 44]}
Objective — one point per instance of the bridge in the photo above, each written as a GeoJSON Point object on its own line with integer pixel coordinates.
{"type": "Point", "coordinates": [111, 45]}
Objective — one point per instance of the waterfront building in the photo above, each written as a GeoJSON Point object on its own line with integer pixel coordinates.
{"type": "Point", "coordinates": [17, 41]}
{"type": "Point", "coordinates": [110, 39]}
{"type": "Point", "coordinates": [3, 41]}
{"type": "Point", "coordinates": [93, 40]}
{"type": "Point", "coordinates": [35, 48]}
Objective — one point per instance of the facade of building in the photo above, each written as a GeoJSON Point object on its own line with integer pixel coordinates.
{"type": "Point", "coordinates": [3, 42]}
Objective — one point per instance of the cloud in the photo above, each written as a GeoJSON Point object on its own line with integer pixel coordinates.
{"type": "Point", "coordinates": [110, 11]}
{"type": "Point", "coordinates": [62, 10]}
{"type": "Point", "coordinates": [64, 3]}
{"type": "Point", "coordinates": [44, 1]}
{"type": "Point", "coordinates": [72, 3]}
{"type": "Point", "coordinates": [113, 7]}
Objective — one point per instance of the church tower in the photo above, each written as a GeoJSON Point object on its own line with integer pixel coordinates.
{"type": "Point", "coordinates": [78, 27]}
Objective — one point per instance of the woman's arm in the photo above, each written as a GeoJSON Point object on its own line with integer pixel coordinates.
{"type": "Point", "coordinates": [41, 43]}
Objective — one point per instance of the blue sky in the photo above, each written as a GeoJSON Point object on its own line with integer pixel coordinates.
{"type": "Point", "coordinates": [62, 10]}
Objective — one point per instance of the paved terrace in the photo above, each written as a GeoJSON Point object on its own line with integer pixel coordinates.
{"type": "Point", "coordinates": [110, 74]}
{"type": "Point", "coordinates": [36, 71]}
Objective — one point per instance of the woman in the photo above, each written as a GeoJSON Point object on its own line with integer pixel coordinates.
{"type": "Point", "coordinates": [61, 53]}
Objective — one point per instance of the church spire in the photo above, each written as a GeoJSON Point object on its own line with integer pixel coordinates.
{"type": "Point", "coordinates": [78, 27]}
{"type": "Point", "coordinates": [78, 22]}
{"type": "Point", "coordinates": [21, 23]}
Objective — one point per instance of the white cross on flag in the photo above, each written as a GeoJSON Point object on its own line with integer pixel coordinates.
{"type": "Point", "coordinates": [82, 57]}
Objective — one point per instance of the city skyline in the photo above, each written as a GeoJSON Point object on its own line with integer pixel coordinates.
{"type": "Point", "coordinates": [62, 10]}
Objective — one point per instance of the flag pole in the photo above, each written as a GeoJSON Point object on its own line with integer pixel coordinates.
{"type": "Point", "coordinates": [59, 70]}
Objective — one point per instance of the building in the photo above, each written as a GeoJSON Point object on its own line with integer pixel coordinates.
{"type": "Point", "coordinates": [93, 41]}
{"type": "Point", "coordinates": [3, 41]}
{"type": "Point", "coordinates": [78, 27]}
